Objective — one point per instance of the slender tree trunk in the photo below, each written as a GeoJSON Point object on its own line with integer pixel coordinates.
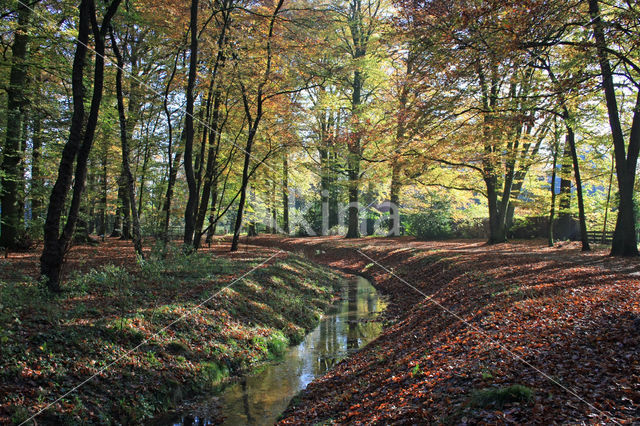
{"type": "Point", "coordinates": [212, 159]}
{"type": "Point", "coordinates": [126, 168]}
{"type": "Point", "coordinates": [243, 187]}
{"type": "Point", "coordinates": [143, 177]}
{"type": "Point", "coordinates": [624, 237]}
{"type": "Point", "coordinates": [22, 169]}
{"type": "Point", "coordinates": [552, 210]}
{"type": "Point", "coordinates": [394, 197]}
{"type": "Point", "coordinates": [253, 127]}
{"type": "Point", "coordinates": [79, 145]}
{"type": "Point", "coordinates": [12, 179]}
{"type": "Point", "coordinates": [102, 225]}
{"type": "Point", "coordinates": [285, 193]}
{"type": "Point", "coordinates": [353, 162]}
{"type": "Point", "coordinates": [125, 210]}
{"type": "Point", "coordinates": [565, 183]}
{"type": "Point", "coordinates": [36, 170]}
{"type": "Point", "coordinates": [400, 141]}
{"type": "Point", "coordinates": [211, 231]}
{"type": "Point", "coordinates": [606, 207]}
{"type": "Point", "coordinates": [571, 140]}
{"type": "Point", "coordinates": [192, 200]}
{"type": "Point", "coordinates": [173, 164]}
{"type": "Point", "coordinates": [168, 199]}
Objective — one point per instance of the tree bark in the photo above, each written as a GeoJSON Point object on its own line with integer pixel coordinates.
{"type": "Point", "coordinates": [624, 238]}
{"type": "Point", "coordinates": [212, 158]}
{"type": "Point", "coordinates": [245, 179]}
{"type": "Point", "coordinates": [78, 145]}
{"type": "Point", "coordinates": [12, 179]}
{"type": "Point", "coordinates": [124, 139]}
{"type": "Point", "coordinates": [173, 163]}
{"type": "Point", "coordinates": [36, 169]}
{"type": "Point", "coordinates": [552, 210]}
{"type": "Point", "coordinates": [192, 200]}
{"type": "Point", "coordinates": [571, 140]}
{"type": "Point", "coordinates": [353, 161]}
{"type": "Point", "coordinates": [254, 123]}
{"type": "Point", "coordinates": [285, 193]}
{"type": "Point", "coordinates": [102, 224]}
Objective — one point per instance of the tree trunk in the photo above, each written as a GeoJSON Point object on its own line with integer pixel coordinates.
{"type": "Point", "coordinates": [353, 162]}
{"type": "Point", "coordinates": [285, 193]}
{"type": "Point", "coordinates": [565, 183]}
{"type": "Point", "coordinates": [497, 228]}
{"type": "Point", "coordinates": [173, 164]}
{"type": "Point", "coordinates": [254, 123]}
{"type": "Point", "coordinates": [12, 179]}
{"type": "Point", "coordinates": [102, 224]}
{"type": "Point", "coordinates": [36, 169]}
{"type": "Point", "coordinates": [126, 168]}
{"type": "Point", "coordinates": [79, 144]}
{"type": "Point", "coordinates": [552, 210]}
{"type": "Point", "coordinates": [394, 197]}
{"type": "Point", "coordinates": [212, 159]}
{"type": "Point", "coordinates": [211, 230]}
{"type": "Point", "coordinates": [125, 210]}
{"type": "Point", "coordinates": [571, 140]}
{"type": "Point", "coordinates": [143, 176]}
{"type": "Point", "coordinates": [243, 187]}
{"type": "Point", "coordinates": [169, 194]}
{"type": "Point", "coordinates": [624, 238]}
{"type": "Point", "coordinates": [192, 200]}
{"type": "Point", "coordinates": [606, 206]}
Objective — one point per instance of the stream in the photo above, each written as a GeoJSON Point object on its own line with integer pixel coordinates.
{"type": "Point", "coordinates": [258, 399]}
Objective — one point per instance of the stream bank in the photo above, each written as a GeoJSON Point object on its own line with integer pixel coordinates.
{"type": "Point", "coordinates": [260, 398]}
{"type": "Point", "coordinates": [458, 357]}
{"type": "Point", "coordinates": [151, 334]}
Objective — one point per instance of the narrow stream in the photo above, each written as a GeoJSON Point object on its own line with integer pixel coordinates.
{"type": "Point", "coordinates": [259, 399]}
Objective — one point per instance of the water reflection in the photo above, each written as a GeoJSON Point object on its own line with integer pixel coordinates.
{"type": "Point", "coordinates": [260, 398]}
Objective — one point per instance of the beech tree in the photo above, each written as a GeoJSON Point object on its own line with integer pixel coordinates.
{"type": "Point", "coordinates": [79, 144]}
{"type": "Point", "coordinates": [626, 154]}
{"type": "Point", "coordinates": [12, 177]}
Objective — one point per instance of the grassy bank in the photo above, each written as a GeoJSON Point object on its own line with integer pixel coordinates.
{"type": "Point", "coordinates": [148, 316]}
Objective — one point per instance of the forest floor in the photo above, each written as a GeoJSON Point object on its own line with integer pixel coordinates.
{"type": "Point", "coordinates": [128, 340]}
{"type": "Point", "coordinates": [509, 333]}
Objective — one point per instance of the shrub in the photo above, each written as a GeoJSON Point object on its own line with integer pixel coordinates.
{"type": "Point", "coordinates": [529, 227]}
{"type": "Point", "coordinates": [106, 277]}
{"type": "Point", "coordinates": [471, 228]}
{"type": "Point", "coordinates": [428, 226]}
{"type": "Point", "coordinates": [433, 222]}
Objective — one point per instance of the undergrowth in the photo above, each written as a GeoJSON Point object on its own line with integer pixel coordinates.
{"type": "Point", "coordinates": [179, 346]}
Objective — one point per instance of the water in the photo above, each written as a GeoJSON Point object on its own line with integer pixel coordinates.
{"type": "Point", "coordinates": [260, 398]}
